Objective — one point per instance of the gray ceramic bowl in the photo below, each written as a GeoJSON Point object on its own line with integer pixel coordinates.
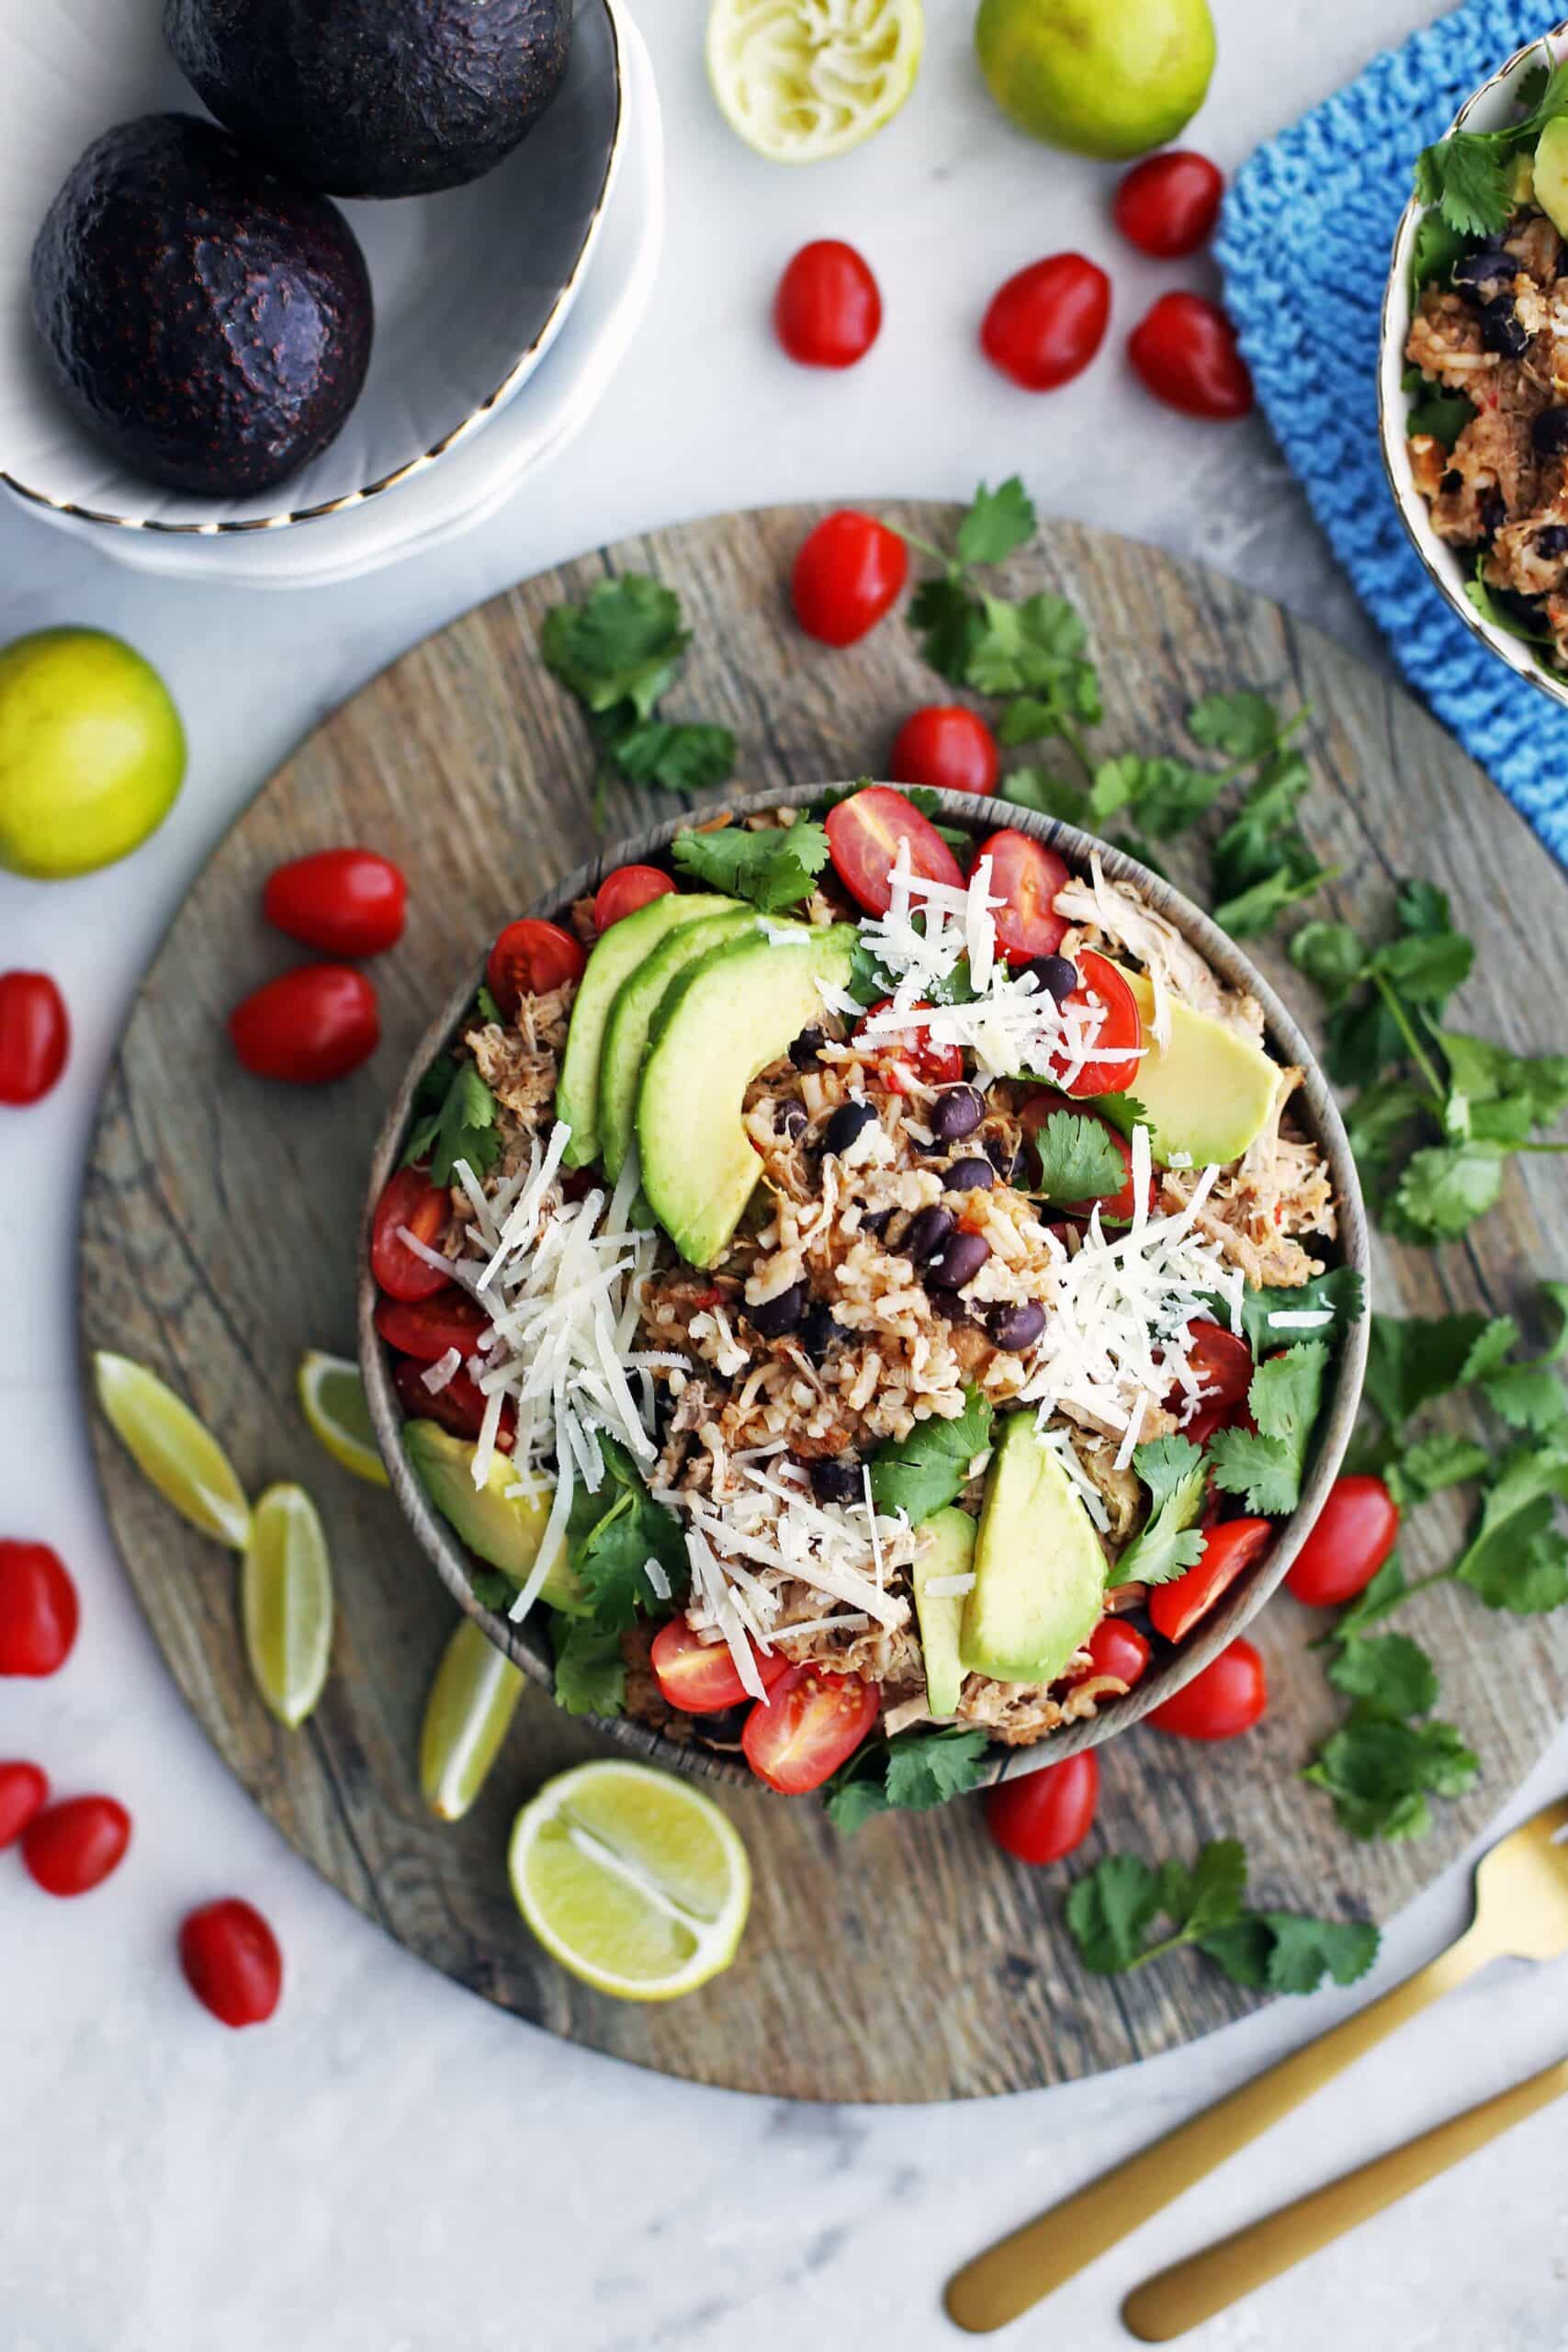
{"type": "Point", "coordinates": [527, 1645]}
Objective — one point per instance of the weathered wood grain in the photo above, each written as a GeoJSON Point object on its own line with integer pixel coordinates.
{"type": "Point", "coordinates": [217, 1219]}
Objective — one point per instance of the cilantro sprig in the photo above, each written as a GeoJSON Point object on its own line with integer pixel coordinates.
{"type": "Point", "coordinates": [1466, 176]}
{"type": "Point", "coordinates": [454, 1119]}
{"type": "Point", "coordinates": [1266, 1466]}
{"type": "Point", "coordinates": [1114, 1914]}
{"type": "Point", "coordinates": [1170, 1542]}
{"type": "Point", "coordinates": [612, 1533]}
{"type": "Point", "coordinates": [774, 868]}
{"type": "Point", "coordinates": [922, 1473]}
{"type": "Point", "coordinates": [619, 652]}
{"type": "Point", "coordinates": [910, 1772]}
{"type": "Point", "coordinates": [1077, 1160]}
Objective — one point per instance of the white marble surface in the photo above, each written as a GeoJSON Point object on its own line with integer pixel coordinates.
{"type": "Point", "coordinates": [391, 2167]}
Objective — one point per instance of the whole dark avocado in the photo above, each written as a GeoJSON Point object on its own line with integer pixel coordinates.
{"type": "Point", "coordinates": [375, 97]}
{"type": "Point", "coordinates": [207, 320]}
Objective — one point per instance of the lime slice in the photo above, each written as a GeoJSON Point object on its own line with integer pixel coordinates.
{"type": "Point", "coordinates": [632, 1880]}
{"type": "Point", "coordinates": [333, 1396]}
{"type": "Point", "coordinates": [472, 1703]}
{"type": "Point", "coordinates": [803, 79]}
{"type": "Point", "coordinates": [285, 1602]}
{"type": "Point", "coordinates": [172, 1449]}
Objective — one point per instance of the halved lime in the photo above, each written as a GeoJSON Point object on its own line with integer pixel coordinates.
{"type": "Point", "coordinates": [803, 79]}
{"type": "Point", "coordinates": [285, 1602]}
{"type": "Point", "coordinates": [632, 1880]}
{"type": "Point", "coordinates": [173, 1451]}
{"type": "Point", "coordinates": [333, 1396]}
{"type": "Point", "coordinates": [472, 1703]}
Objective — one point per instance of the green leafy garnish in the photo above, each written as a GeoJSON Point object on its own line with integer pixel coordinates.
{"type": "Point", "coordinates": [1177, 1475]}
{"type": "Point", "coordinates": [923, 1472]}
{"type": "Point", "coordinates": [1442, 414]}
{"type": "Point", "coordinates": [910, 1772]}
{"type": "Point", "coordinates": [1266, 1466]}
{"type": "Point", "coordinates": [612, 1533]}
{"type": "Point", "coordinates": [775, 868]}
{"type": "Point", "coordinates": [619, 652]}
{"type": "Point", "coordinates": [1077, 1160]}
{"type": "Point", "coordinates": [1388, 1675]}
{"type": "Point", "coordinates": [590, 1674]}
{"type": "Point", "coordinates": [1113, 1912]}
{"type": "Point", "coordinates": [1466, 176]}
{"type": "Point", "coordinates": [454, 1119]}
{"type": "Point", "coordinates": [1379, 1774]}
{"type": "Point", "coordinates": [1338, 1296]}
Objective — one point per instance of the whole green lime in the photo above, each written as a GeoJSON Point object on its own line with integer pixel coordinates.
{"type": "Point", "coordinates": [1103, 77]}
{"type": "Point", "coordinates": [92, 752]}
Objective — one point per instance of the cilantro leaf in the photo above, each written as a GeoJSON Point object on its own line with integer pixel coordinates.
{"type": "Point", "coordinates": [1052, 796]}
{"type": "Point", "coordinates": [1257, 908]}
{"type": "Point", "coordinates": [1177, 1475]}
{"type": "Point", "coordinates": [951, 621]}
{"type": "Point", "coordinates": [1442, 414]}
{"type": "Point", "coordinates": [1528, 1396]}
{"type": "Point", "coordinates": [455, 1118]}
{"type": "Point", "coordinates": [1305, 1951]}
{"type": "Point", "coordinates": [774, 868]}
{"type": "Point", "coordinates": [1385, 1592]}
{"type": "Point", "coordinates": [1163, 795]}
{"type": "Point", "coordinates": [1379, 1774]}
{"type": "Point", "coordinates": [1332, 956]}
{"type": "Point", "coordinates": [1444, 1188]}
{"type": "Point", "coordinates": [997, 521]}
{"type": "Point", "coordinates": [1389, 1675]}
{"type": "Point", "coordinates": [912, 1772]}
{"type": "Point", "coordinates": [1340, 1296]}
{"type": "Point", "coordinates": [1413, 1359]}
{"type": "Point", "coordinates": [1426, 966]}
{"type": "Point", "coordinates": [681, 757]}
{"type": "Point", "coordinates": [486, 1008]}
{"type": "Point", "coordinates": [924, 1471]}
{"type": "Point", "coordinates": [1380, 1120]}
{"type": "Point", "coordinates": [1077, 1160]}
{"type": "Point", "coordinates": [1283, 1398]}
{"type": "Point", "coordinates": [1515, 1559]}
{"type": "Point", "coordinates": [1434, 251]}
{"type": "Point", "coordinates": [1244, 726]}
{"type": "Point", "coordinates": [1242, 1949]}
{"type": "Point", "coordinates": [611, 1533]}
{"type": "Point", "coordinates": [590, 1674]}
{"type": "Point", "coordinates": [1037, 648]}
{"type": "Point", "coordinates": [623, 643]}
{"type": "Point", "coordinates": [1111, 1911]}
{"type": "Point", "coordinates": [1442, 1460]}
{"type": "Point", "coordinates": [491, 1589]}
{"type": "Point", "coordinates": [1209, 1894]}
{"type": "Point", "coordinates": [1486, 1073]}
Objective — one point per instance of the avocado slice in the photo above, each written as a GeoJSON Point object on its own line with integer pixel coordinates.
{"type": "Point", "coordinates": [1208, 1093]}
{"type": "Point", "coordinates": [617, 954]}
{"type": "Point", "coordinates": [725, 1018]}
{"type": "Point", "coordinates": [632, 1015]}
{"type": "Point", "coordinates": [503, 1530]}
{"type": "Point", "coordinates": [949, 1551]}
{"type": "Point", "coordinates": [1039, 1570]}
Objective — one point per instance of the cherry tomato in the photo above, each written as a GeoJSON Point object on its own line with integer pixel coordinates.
{"type": "Point", "coordinates": [409, 1199]}
{"type": "Point", "coordinates": [1167, 205]}
{"type": "Point", "coordinates": [339, 901]}
{"type": "Point", "coordinates": [847, 575]}
{"type": "Point", "coordinates": [426, 1329]}
{"type": "Point", "coordinates": [1349, 1540]}
{"type": "Point", "coordinates": [1229, 1550]}
{"type": "Point", "coordinates": [828, 310]}
{"type": "Point", "coordinates": [1118, 1041]}
{"type": "Point", "coordinates": [1186, 351]}
{"type": "Point", "coordinates": [308, 1026]}
{"type": "Point", "coordinates": [529, 959]}
{"type": "Point", "coordinates": [864, 834]}
{"type": "Point", "coordinates": [35, 1036]}
{"type": "Point", "coordinates": [1046, 1815]}
{"type": "Point", "coordinates": [1227, 1698]}
{"type": "Point", "coordinates": [1045, 326]}
{"type": "Point", "coordinates": [231, 1962]}
{"type": "Point", "coordinates": [1120, 1649]}
{"type": "Point", "coordinates": [1118, 1207]}
{"type": "Point", "coordinates": [937, 1063]}
{"type": "Point", "coordinates": [70, 1848]}
{"type": "Point", "coordinates": [627, 889]}
{"type": "Point", "coordinates": [24, 1792]}
{"type": "Point", "coordinates": [458, 1406]}
{"type": "Point", "coordinates": [699, 1678]}
{"type": "Point", "coordinates": [806, 1725]}
{"type": "Point", "coordinates": [947, 746]}
{"type": "Point", "coordinates": [39, 1610]}
{"type": "Point", "coordinates": [1026, 876]}
{"type": "Point", "coordinates": [1223, 1361]}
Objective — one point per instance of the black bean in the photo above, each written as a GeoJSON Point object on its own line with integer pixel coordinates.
{"type": "Point", "coordinates": [819, 1330]}
{"type": "Point", "coordinates": [969, 1176]}
{"type": "Point", "coordinates": [876, 1223]}
{"type": "Point", "coordinates": [792, 1119]}
{"type": "Point", "coordinates": [928, 1233]}
{"type": "Point", "coordinates": [1058, 975]}
{"type": "Point", "coordinates": [776, 1316]}
{"type": "Point", "coordinates": [1005, 1157]}
{"type": "Point", "coordinates": [724, 1729]}
{"type": "Point", "coordinates": [807, 1050]}
{"type": "Point", "coordinates": [1549, 432]}
{"type": "Point", "coordinates": [849, 1120]}
{"type": "Point", "coordinates": [960, 1262]}
{"type": "Point", "coordinates": [1552, 542]}
{"type": "Point", "coordinates": [1502, 328]}
{"type": "Point", "coordinates": [957, 1114]}
{"type": "Point", "coordinates": [1486, 268]}
{"type": "Point", "coordinates": [1494, 512]}
{"type": "Point", "coordinates": [1017, 1328]}
{"type": "Point", "coordinates": [1453, 479]}
{"type": "Point", "coordinates": [835, 1479]}
{"type": "Point", "coordinates": [951, 1307]}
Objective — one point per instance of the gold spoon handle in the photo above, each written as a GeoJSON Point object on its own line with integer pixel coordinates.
{"type": "Point", "coordinates": [1016, 2272]}
{"type": "Point", "coordinates": [1178, 2299]}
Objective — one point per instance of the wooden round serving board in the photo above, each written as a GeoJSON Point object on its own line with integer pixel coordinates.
{"type": "Point", "coordinates": [910, 1962]}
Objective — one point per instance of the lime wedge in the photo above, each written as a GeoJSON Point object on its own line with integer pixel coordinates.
{"type": "Point", "coordinates": [632, 1880]}
{"type": "Point", "coordinates": [803, 79]}
{"type": "Point", "coordinates": [172, 1449]}
{"type": "Point", "coordinates": [471, 1701]}
{"type": "Point", "coordinates": [285, 1602]}
{"type": "Point", "coordinates": [333, 1396]}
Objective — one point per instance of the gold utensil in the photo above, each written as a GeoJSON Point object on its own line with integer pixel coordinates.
{"type": "Point", "coordinates": [1521, 1908]}
{"type": "Point", "coordinates": [1175, 2299]}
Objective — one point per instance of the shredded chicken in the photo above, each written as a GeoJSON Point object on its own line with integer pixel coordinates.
{"type": "Point", "coordinates": [1018, 1714]}
{"type": "Point", "coordinates": [1280, 1188]}
{"type": "Point", "coordinates": [1110, 915]}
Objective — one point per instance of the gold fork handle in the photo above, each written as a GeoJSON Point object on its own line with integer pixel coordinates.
{"type": "Point", "coordinates": [1035, 2260]}
{"type": "Point", "coordinates": [1178, 2299]}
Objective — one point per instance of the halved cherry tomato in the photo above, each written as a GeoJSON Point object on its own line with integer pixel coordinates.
{"type": "Point", "coordinates": [828, 310]}
{"type": "Point", "coordinates": [38, 1609]}
{"type": "Point", "coordinates": [1118, 1046]}
{"type": "Point", "coordinates": [1045, 325]}
{"type": "Point", "coordinates": [458, 1406]}
{"type": "Point", "coordinates": [231, 1962]}
{"type": "Point", "coordinates": [1120, 1649]}
{"type": "Point", "coordinates": [1229, 1550]}
{"type": "Point", "coordinates": [1042, 1815]}
{"type": "Point", "coordinates": [848, 573]}
{"type": "Point", "coordinates": [1350, 1539]}
{"type": "Point", "coordinates": [409, 1199]}
{"type": "Point", "coordinates": [946, 746]}
{"type": "Point", "coordinates": [426, 1329]}
{"type": "Point", "coordinates": [529, 959]}
{"type": "Point", "coordinates": [1118, 1207]}
{"type": "Point", "coordinates": [806, 1725]}
{"type": "Point", "coordinates": [627, 889]}
{"type": "Point", "coordinates": [35, 1037]}
{"type": "Point", "coordinates": [699, 1678]}
{"type": "Point", "coordinates": [1223, 1361]}
{"type": "Point", "coordinates": [1026, 876]}
{"type": "Point", "coordinates": [937, 1063]}
{"type": "Point", "coordinates": [1186, 352]}
{"type": "Point", "coordinates": [1168, 204]}
{"type": "Point", "coordinates": [864, 834]}
{"type": "Point", "coordinates": [24, 1792]}
{"type": "Point", "coordinates": [70, 1848]}
{"type": "Point", "coordinates": [1227, 1699]}
{"type": "Point", "coordinates": [339, 901]}
{"type": "Point", "coordinates": [308, 1026]}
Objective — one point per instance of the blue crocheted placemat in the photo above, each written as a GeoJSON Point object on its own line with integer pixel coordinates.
{"type": "Point", "coordinates": [1303, 244]}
